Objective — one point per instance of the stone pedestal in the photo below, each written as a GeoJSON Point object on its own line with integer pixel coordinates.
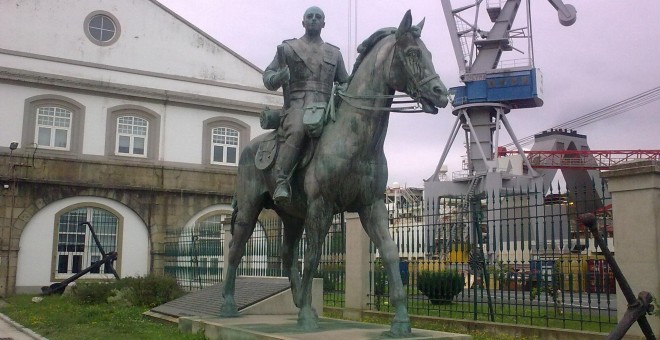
{"type": "Point", "coordinates": [635, 189]}
{"type": "Point", "coordinates": [357, 268]}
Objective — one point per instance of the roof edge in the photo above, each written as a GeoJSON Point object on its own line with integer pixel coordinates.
{"type": "Point", "coordinates": [206, 35]}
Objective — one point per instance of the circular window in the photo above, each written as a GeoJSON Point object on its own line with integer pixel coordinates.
{"type": "Point", "coordinates": [102, 28]}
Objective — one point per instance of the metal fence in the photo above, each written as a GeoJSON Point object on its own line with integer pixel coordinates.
{"type": "Point", "coordinates": [519, 257]}
{"type": "Point", "coordinates": [194, 255]}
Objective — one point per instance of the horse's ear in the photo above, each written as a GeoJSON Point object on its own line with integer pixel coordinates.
{"type": "Point", "coordinates": [404, 26]}
{"type": "Point", "coordinates": [421, 24]}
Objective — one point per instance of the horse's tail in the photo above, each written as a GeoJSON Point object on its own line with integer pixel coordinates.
{"type": "Point", "coordinates": [234, 205]}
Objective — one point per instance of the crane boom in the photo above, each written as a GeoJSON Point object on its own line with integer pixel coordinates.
{"type": "Point", "coordinates": [497, 39]}
{"type": "Point", "coordinates": [567, 13]}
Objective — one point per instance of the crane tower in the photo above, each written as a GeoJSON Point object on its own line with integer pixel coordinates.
{"type": "Point", "coordinates": [493, 86]}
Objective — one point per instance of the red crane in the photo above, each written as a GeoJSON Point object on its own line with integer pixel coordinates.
{"type": "Point", "coordinates": [583, 159]}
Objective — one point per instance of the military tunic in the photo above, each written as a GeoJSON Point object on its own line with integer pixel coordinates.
{"type": "Point", "coordinates": [313, 68]}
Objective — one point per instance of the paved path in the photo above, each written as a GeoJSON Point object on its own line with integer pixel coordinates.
{"type": "Point", "coordinates": [10, 330]}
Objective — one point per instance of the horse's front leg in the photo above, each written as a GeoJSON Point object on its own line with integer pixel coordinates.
{"type": "Point", "coordinates": [243, 229]}
{"type": "Point", "coordinates": [375, 222]}
{"type": "Point", "coordinates": [293, 230]}
{"type": "Point", "coordinates": [317, 224]}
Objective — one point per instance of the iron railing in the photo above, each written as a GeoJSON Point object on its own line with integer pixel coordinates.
{"type": "Point", "coordinates": [522, 256]}
{"type": "Point", "coordinates": [194, 255]}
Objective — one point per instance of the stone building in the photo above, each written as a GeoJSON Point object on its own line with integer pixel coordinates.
{"type": "Point", "coordinates": [119, 113]}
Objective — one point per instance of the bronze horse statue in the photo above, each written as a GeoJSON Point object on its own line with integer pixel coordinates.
{"type": "Point", "coordinates": [347, 172]}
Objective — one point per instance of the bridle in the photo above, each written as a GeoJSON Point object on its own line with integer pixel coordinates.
{"type": "Point", "coordinates": [413, 86]}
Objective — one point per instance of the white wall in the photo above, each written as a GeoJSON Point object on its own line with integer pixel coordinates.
{"type": "Point", "coordinates": [36, 244]}
{"type": "Point", "coordinates": [156, 52]}
{"type": "Point", "coordinates": [150, 39]}
{"type": "Point", "coordinates": [181, 126]}
{"type": "Point", "coordinates": [11, 114]}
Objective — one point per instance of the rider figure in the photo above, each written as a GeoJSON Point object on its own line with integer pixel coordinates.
{"type": "Point", "coordinates": [308, 67]}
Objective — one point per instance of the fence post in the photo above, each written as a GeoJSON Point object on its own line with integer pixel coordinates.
{"type": "Point", "coordinates": [635, 189]}
{"type": "Point", "coordinates": [357, 268]}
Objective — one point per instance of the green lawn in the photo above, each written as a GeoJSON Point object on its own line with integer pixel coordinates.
{"type": "Point", "coordinates": [60, 317]}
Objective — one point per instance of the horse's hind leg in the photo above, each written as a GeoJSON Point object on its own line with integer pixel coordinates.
{"type": "Point", "coordinates": [293, 230]}
{"type": "Point", "coordinates": [375, 222]}
{"type": "Point", "coordinates": [243, 227]}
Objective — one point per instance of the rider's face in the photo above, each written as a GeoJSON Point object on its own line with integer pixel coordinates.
{"type": "Point", "coordinates": [314, 20]}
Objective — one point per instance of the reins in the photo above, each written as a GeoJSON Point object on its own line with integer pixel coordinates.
{"type": "Point", "coordinates": [410, 69]}
{"type": "Point", "coordinates": [403, 109]}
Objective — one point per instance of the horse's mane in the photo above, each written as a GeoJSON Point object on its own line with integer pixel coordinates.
{"type": "Point", "coordinates": [368, 44]}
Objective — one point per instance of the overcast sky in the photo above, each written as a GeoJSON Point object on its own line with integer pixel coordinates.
{"type": "Point", "coordinates": [610, 54]}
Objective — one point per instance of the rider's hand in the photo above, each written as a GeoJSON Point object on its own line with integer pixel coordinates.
{"type": "Point", "coordinates": [282, 76]}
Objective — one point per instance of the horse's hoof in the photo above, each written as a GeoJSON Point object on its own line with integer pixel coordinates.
{"type": "Point", "coordinates": [308, 324]}
{"type": "Point", "coordinates": [229, 311]}
{"type": "Point", "coordinates": [399, 329]}
{"type": "Point", "coordinates": [308, 320]}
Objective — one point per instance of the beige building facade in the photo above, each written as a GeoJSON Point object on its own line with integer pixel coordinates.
{"type": "Point", "coordinates": [118, 113]}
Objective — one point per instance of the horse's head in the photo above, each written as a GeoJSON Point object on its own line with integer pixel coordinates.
{"type": "Point", "coordinates": [412, 69]}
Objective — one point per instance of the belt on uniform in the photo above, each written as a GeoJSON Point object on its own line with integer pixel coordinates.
{"type": "Point", "coordinates": [311, 86]}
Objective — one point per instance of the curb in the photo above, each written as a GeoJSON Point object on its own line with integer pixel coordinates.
{"type": "Point", "coordinates": [21, 329]}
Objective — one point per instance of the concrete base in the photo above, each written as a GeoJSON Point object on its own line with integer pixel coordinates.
{"type": "Point", "coordinates": [254, 295]}
{"type": "Point", "coordinates": [282, 303]}
{"type": "Point", "coordinates": [286, 327]}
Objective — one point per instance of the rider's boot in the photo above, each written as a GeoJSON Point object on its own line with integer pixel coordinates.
{"type": "Point", "coordinates": [286, 159]}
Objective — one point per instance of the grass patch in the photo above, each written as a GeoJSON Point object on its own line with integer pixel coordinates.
{"type": "Point", "coordinates": [100, 310]}
{"type": "Point", "coordinates": [60, 317]}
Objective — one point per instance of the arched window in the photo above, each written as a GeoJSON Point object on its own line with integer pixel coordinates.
{"type": "Point", "coordinates": [225, 143]}
{"type": "Point", "coordinates": [53, 128]}
{"type": "Point", "coordinates": [133, 131]}
{"type": "Point", "coordinates": [223, 140]}
{"type": "Point", "coordinates": [76, 248]}
{"type": "Point", "coordinates": [53, 124]}
{"type": "Point", "coordinates": [132, 134]}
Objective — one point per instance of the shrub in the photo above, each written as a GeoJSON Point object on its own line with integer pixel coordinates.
{"type": "Point", "coordinates": [150, 291]}
{"type": "Point", "coordinates": [89, 293]}
{"type": "Point", "coordinates": [123, 297]}
{"type": "Point", "coordinates": [440, 287]}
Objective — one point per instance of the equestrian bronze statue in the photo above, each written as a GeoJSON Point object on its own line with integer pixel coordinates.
{"type": "Point", "coordinates": [342, 170]}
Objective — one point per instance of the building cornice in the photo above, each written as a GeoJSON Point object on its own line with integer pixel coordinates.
{"type": "Point", "coordinates": [107, 173]}
{"type": "Point", "coordinates": [87, 85]}
{"type": "Point", "coordinates": [133, 71]}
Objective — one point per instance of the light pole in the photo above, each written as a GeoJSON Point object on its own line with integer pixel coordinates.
{"type": "Point", "coordinates": [12, 173]}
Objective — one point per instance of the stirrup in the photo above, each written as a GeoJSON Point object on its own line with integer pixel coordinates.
{"type": "Point", "coordinates": [282, 195]}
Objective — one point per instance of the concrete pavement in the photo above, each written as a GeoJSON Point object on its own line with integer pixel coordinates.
{"type": "Point", "coordinates": [14, 331]}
